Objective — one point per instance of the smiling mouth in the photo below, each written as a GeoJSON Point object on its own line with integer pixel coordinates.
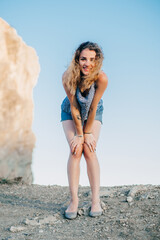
{"type": "Point", "coordinates": [86, 69]}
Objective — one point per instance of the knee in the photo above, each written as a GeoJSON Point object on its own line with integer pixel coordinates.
{"type": "Point", "coordinates": [86, 151]}
{"type": "Point", "coordinates": [78, 153]}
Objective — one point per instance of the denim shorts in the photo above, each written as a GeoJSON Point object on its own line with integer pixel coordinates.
{"type": "Point", "coordinates": [67, 116]}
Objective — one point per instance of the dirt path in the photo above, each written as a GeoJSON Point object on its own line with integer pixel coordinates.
{"type": "Point", "coordinates": [37, 212]}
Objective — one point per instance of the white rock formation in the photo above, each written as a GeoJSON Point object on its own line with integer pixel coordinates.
{"type": "Point", "coordinates": [19, 70]}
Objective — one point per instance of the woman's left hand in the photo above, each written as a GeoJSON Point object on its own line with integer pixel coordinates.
{"type": "Point", "coordinates": [90, 141]}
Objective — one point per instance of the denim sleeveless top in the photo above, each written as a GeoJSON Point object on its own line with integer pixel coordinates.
{"type": "Point", "coordinates": [84, 103]}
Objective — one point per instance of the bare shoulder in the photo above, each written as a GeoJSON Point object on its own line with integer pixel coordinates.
{"type": "Point", "coordinates": [64, 77]}
{"type": "Point", "coordinates": [64, 74]}
{"type": "Point", "coordinates": [70, 96]}
{"type": "Point", "coordinates": [102, 79]}
{"type": "Point", "coordinates": [64, 81]}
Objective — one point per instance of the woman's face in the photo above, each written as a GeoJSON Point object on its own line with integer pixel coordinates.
{"type": "Point", "coordinates": [87, 61]}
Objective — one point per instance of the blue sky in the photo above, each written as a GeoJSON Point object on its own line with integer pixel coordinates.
{"type": "Point", "coordinates": [128, 32]}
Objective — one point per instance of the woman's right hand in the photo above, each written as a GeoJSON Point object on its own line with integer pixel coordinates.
{"type": "Point", "coordinates": [76, 142]}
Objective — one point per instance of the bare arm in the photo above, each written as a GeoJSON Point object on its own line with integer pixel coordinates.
{"type": "Point", "coordinates": [75, 111]}
{"type": "Point", "coordinates": [102, 83]}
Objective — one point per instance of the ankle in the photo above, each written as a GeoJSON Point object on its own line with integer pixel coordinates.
{"type": "Point", "coordinates": [96, 201]}
{"type": "Point", "coordinates": [74, 199]}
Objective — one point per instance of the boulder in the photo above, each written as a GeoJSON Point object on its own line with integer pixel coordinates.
{"type": "Point", "coordinates": [19, 70]}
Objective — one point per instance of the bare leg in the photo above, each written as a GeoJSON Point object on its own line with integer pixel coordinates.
{"type": "Point", "coordinates": [93, 169]}
{"type": "Point", "coordinates": [73, 167]}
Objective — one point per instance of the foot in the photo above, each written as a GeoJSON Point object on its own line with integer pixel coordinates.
{"type": "Point", "coordinates": [96, 207]}
{"type": "Point", "coordinates": [71, 211]}
{"type": "Point", "coordinates": [73, 206]}
{"type": "Point", "coordinates": [96, 210]}
{"type": "Point", "coordinates": [70, 215]}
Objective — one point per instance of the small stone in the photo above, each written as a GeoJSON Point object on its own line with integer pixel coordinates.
{"type": "Point", "coordinates": [122, 211]}
{"type": "Point", "coordinates": [106, 229]}
{"type": "Point", "coordinates": [152, 225]}
{"type": "Point", "coordinates": [48, 220]}
{"type": "Point", "coordinates": [16, 229]}
{"type": "Point", "coordinates": [129, 199]}
{"type": "Point", "coordinates": [104, 193]}
{"type": "Point", "coordinates": [58, 221]}
{"type": "Point", "coordinates": [128, 214]}
{"type": "Point", "coordinates": [56, 215]}
{"type": "Point", "coordinates": [137, 189]}
{"type": "Point", "coordinates": [41, 231]}
{"type": "Point", "coordinates": [87, 194]}
{"type": "Point", "coordinates": [27, 234]}
{"type": "Point", "coordinates": [31, 222]}
{"type": "Point", "coordinates": [80, 212]}
{"type": "Point", "coordinates": [103, 205]}
{"type": "Point", "coordinates": [122, 221]}
{"type": "Point", "coordinates": [84, 210]}
{"type": "Point", "coordinates": [150, 197]}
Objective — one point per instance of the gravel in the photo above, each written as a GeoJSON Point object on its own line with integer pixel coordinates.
{"type": "Point", "coordinates": [37, 212]}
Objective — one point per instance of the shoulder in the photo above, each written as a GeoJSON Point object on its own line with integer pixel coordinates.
{"type": "Point", "coordinates": [64, 77]}
{"type": "Point", "coordinates": [102, 79]}
{"type": "Point", "coordinates": [70, 95]}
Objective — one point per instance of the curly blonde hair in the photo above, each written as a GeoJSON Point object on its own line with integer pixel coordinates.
{"type": "Point", "coordinates": [73, 76]}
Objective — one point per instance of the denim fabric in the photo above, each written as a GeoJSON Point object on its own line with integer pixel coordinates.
{"type": "Point", "coordinates": [68, 116]}
{"type": "Point", "coordinates": [84, 103]}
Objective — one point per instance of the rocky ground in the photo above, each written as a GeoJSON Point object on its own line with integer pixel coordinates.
{"type": "Point", "coordinates": [37, 212]}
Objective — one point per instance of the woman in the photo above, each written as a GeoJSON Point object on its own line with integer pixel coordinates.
{"type": "Point", "coordinates": [81, 116]}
